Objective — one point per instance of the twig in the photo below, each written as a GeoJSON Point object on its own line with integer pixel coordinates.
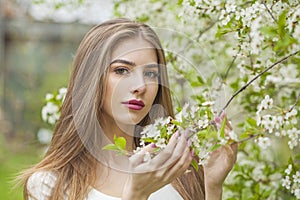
{"type": "Point", "coordinates": [206, 29]}
{"type": "Point", "coordinates": [272, 16]}
{"type": "Point", "coordinates": [294, 105]}
{"type": "Point", "coordinates": [248, 138]}
{"type": "Point", "coordinates": [231, 64]}
{"type": "Point", "coordinates": [257, 76]}
{"type": "Point", "coordinates": [269, 11]}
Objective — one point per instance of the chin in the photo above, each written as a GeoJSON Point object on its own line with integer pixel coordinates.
{"type": "Point", "coordinates": [127, 121]}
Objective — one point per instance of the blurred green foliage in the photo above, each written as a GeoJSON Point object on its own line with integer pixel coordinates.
{"type": "Point", "coordinates": [13, 159]}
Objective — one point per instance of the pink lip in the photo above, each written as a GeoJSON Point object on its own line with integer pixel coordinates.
{"type": "Point", "coordinates": [134, 104]}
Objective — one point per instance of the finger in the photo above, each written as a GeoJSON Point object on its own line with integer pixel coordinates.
{"type": "Point", "coordinates": [219, 120]}
{"type": "Point", "coordinates": [159, 159]}
{"type": "Point", "coordinates": [173, 151]}
{"type": "Point", "coordinates": [138, 157]}
{"type": "Point", "coordinates": [228, 125]}
{"type": "Point", "coordinates": [234, 147]}
{"type": "Point", "coordinates": [230, 155]}
{"type": "Point", "coordinates": [180, 165]}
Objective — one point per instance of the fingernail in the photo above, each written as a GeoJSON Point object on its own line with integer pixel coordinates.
{"type": "Point", "coordinates": [217, 119]}
{"type": "Point", "coordinates": [192, 152]}
{"type": "Point", "coordinates": [153, 145]}
{"type": "Point", "coordinates": [176, 134]}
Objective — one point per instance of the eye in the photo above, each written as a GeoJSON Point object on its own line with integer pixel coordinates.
{"type": "Point", "coordinates": [151, 74]}
{"type": "Point", "coordinates": [121, 71]}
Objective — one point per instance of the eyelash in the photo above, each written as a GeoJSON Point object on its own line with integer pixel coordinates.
{"type": "Point", "coordinates": [151, 74]}
{"type": "Point", "coordinates": [121, 70]}
{"type": "Point", "coordinates": [125, 71]}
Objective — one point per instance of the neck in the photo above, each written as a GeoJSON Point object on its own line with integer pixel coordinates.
{"type": "Point", "coordinates": [111, 129]}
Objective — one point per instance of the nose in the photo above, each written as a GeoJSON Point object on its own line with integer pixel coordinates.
{"type": "Point", "coordinates": [138, 84]}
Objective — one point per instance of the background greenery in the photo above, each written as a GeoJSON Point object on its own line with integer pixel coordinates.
{"type": "Point", "coordinates": [36, 59]}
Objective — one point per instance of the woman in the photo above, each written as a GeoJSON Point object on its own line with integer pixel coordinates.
{"type": "Point", "coordinates": [118, 85]}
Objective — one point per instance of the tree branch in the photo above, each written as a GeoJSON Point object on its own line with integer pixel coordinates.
{"type": "Point", "coordinates": [294, 105]}
{"type": "Point", "coordinates": [248, 138]}
{"type": "Point", "coordinates": [269, 11]}
{"type": "Point", "coordinates": [256, 77]}
{"type": "Point", "coordinates": [231, 64]}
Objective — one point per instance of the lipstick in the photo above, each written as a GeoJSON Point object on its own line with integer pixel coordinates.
{"type": "Point", "coordinates": [134, 104]}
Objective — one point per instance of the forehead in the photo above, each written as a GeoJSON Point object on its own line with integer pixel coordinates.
{"type": "Point", "coordinates": [137, 50]}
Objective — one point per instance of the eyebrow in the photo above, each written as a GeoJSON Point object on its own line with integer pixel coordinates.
{"type": "Point", "coordinates": [127, 62]}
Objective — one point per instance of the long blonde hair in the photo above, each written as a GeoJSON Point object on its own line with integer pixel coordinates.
{"type": "Point", "coordinates": [68, 155]}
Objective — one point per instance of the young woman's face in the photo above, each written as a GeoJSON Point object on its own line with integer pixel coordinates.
{"type": "Point", "coordinates": [132, 82]}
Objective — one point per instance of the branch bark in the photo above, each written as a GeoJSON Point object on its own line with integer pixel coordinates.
{"type": "Point", "coordinates": [256, 77]}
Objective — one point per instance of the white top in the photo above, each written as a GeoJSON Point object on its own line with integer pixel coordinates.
{"type": "Point", "coordinates": [40, 184]}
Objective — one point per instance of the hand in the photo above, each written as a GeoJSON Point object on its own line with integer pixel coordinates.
{"type": "Point", "coordinates": [219, 164]}
{"type": "Point", "coordinates": [166, 166]}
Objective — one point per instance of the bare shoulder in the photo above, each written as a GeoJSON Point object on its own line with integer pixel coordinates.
{"type": "Point", "coordinates": [40, 184]}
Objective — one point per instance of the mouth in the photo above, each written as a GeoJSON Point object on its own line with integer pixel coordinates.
{"type": "Point", "coordinates": [134, 104]}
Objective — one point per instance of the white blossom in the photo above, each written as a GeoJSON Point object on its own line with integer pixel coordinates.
{"type": "Point", "coordinates": [44, 136]}
{"type": "Point", "coordinates": [296, 177]}
{"type": "Point", "coordinates": [49, 96]}
{"type": "Point", "coordinates": [150, 131]}
{"type": "Point", "coordinates": [297, 193]}
{"type": "Point", "coordinates": [161, 143]}
{"type": "Point", "coordinates": [266, 103]}
{"type": "Point", "coordinates": [286, 182]}
{"type": "Point", "coordinates": [208, 103]}
{"type": "Point", "coordinates": [61, 94]}
{"type": "Point", "coordinates": [288, 170]}
{"type": "Point", "coordinates": [50, 113]}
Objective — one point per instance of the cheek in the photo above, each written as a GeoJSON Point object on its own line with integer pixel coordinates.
{"type": "Point", "coordinates": [152, 91]}
{"type": "Point", "coordinates": [112, 84]}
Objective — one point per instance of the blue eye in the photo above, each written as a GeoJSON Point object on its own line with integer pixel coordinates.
{"type": "Point", "coordinates": [121, 71]}
{"type": "Point", "coordinates": [151, 74]}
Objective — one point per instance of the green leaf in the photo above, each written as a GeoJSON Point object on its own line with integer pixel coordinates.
{"type": "Point", "coordinates": [200, 80]}
{"type": "Point", "coordinates": [213, 134]}
{"type": "Point", "coordinates": [223, 126]}
{"type": "Point", "coordinates": [251, 122]}
{"type": "Point", "coordinates": [148, 140]}
{"type": "Point", "coordinates": [216, 146]}
{"type": "Point", "coordinates": [179, 2]}
{"type": "Point", "coordinates": [282, 23]}
{"type": "Point", "coordinates": [120, 142]}
{"type": "Point", "coordinates": [112, 147]}
{"type": "Point", "coordinates": [144, 18]}
{"type": "Point", "coordinates": [269, 30]}
{"type": "Point", "coordinates": [257, 188]}
{"type": "Point", "coordinates": [244, 135]}
{"type": "Point", "coordinates": [118, 146]}
{"type": "Point", "coordinates": [297, 157]}
{"type": "Point", "coordinates": [177, 123]}
{"type": "Point", "coordinates": [195, 165]}
{"type": "Point", "coordinates": [202, 133]}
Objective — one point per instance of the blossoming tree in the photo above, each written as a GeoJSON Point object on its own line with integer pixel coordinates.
{"type": "Point", "coordinates": [241, 57]}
